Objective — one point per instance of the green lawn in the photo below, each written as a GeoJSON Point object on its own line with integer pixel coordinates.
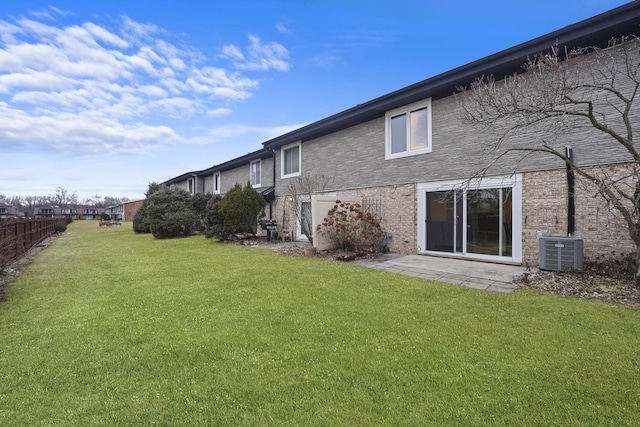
{"type": "Point", "coordinates": [107, 327]}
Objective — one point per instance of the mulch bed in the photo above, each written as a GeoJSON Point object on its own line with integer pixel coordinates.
{"type": "Point", "coordinates": [297, 249]}
{"type": "Point", "coordinates": [336, 255]}
{"type": "Point", "coordinates": [619, 291]}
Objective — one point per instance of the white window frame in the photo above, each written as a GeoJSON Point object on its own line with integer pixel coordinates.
{"type": "Point", "coordinates": [509, 181]}
{"type": "Point", "coordinates": [216, 183]}
{"type": "Point", "coordinates": [285, 148]}
{"type": "Point", "coordinates": [406, 110]}
{"type": "Point", "coordinates": [251, 175]}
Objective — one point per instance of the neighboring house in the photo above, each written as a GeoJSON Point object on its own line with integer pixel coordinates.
{"type": "Point", "coordinates": [73, 212]}
{"type": "Point", "coordinates": [8, 211]}
{"type": "Point", "coordinates": [78, 212]}
{"type": "Point", "coordinates": [45, 212]}
{"type": "Point", "coordinates": [70, 212]}
{"type": "Point", "coordinates": [124, 211]}
{"type": "Point", "coordinates": [407, 156]}
{"type": "Point", "coordinates": [91, 213]}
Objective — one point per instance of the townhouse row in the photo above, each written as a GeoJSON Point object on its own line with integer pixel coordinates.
{"type": "Point", "coordinates": [72, 212]}
{"type": "Point", "coordinates": [410, 159]}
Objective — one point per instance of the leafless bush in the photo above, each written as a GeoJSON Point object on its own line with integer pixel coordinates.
{"type": "Point", "coordinates": [349, 228]}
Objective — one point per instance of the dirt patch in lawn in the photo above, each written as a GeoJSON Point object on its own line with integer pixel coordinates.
{"type": "Point", "coordinates": [13, 270]}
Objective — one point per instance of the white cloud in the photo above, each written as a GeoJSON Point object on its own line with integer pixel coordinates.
{"type": "Point", "coordinates": [106, 36]}
{"type": "Point", "coordinates": [69, 132]}
{"type": "Point", "coordinates": [221, 83]}
{"type": "Point", "coordinates": [232, 52]}
{"type": "Point", "coordinates": [282, 28]}
{"type": "Point", "coordinates": [259, 56]}
{"type": "Point", "coordinates": [153, 91]}
{"type": "Point", "coordinates": [89, 88]}
{"type": "Point", "coordinates": [33, 81]}
{"type": "Point", "coordinates": [219, 112]}
{"type": "Point", "coordinates": [130, 26]}
{"type": "Point", "coordinates": [49, 13]}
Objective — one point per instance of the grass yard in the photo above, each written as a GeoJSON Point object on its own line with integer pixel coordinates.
{"type": "Point", "coordinates": [107, 327]}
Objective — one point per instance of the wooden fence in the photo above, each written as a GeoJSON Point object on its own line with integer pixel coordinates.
{"type": "Point", "coordinates": [17, 236]}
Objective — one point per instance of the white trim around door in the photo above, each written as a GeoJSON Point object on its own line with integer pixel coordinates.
{"type": "Point", "coordinates": [481, 219]}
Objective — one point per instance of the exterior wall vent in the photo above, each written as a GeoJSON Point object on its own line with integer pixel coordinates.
{"type": "Point", "coordinates": [560, 253]}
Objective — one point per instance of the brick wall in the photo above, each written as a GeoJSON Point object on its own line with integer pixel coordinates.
{"type": "Point", "coordinates": [130, 209]}
{"type": "Point", "coordinates": [394, 206]}
{"type": "Point", "coordinates": [544, 209]}
{"type": "Point", "coordinates": [396, 209]}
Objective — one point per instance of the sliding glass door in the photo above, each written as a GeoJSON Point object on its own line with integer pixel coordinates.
{"type": "Point", "coordinates": [444, 228]}
{"type": "Point", "coordinates": [469, 221]}
{"type": "Point", "coordinates": [489, 222]}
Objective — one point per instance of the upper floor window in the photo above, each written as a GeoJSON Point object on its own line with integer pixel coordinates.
{"type": "Point", "coordinates": [190, 185]}
{"type": "Point", "coordinates": [255, 173]}
{"type": "Point", "coordinates": [290, 162]}
{"type": "Point", "coordinates": [216, 183]}
{"type": "Point", "coordinates": [408, 130]}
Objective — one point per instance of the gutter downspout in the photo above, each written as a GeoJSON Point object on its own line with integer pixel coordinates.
{"type": "Point", "coordinates": [571, 202]}
{"type": "Point", "coordinates": [273, 183]}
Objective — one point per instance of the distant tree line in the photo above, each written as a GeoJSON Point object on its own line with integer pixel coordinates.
{"type": "Point", "coordinates": [60, 197]}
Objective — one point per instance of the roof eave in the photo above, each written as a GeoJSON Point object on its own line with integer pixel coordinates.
{"type": "Point", "coordinates": [595, 31]}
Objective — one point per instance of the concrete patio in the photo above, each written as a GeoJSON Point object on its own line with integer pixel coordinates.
{"type": "Point", "coordinates": [472, 274]}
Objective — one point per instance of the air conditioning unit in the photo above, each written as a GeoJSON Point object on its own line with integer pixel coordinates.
{"type": "Point", "coordinates": [560, 253]}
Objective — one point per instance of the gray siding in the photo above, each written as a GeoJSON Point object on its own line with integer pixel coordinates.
{"type": "Point", "coordinates": [240, 175]}
{"type": "Point", "coordinates": [231, 177]}
{"type": "Point", "coordinates": [207, 182]}
{"type": "Point", "coordinates": [355, 157]}
{"type": "Point", "coordinates": [183, 185]}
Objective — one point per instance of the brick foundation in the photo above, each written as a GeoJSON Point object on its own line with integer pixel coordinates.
{"type": "Point", "coordinates": [544, 209]}
{"type": "Point", "coordinates": [394, 206]}
{"type": "Point", "coordinates": [396, 209]}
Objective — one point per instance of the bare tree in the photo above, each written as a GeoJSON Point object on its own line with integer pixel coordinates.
{"type": "Point", "coordinates": [63, 197]}
{"type": "Point", "coordinates": [104, 202]}
{"type": "Point", "coordinates": [299, 194]}
{"type": "Point", "coordinates": [30, 202]}
{"type": "Point", "coordinates": [561, 91]}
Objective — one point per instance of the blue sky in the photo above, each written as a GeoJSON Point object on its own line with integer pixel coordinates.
{"type": "Point", "coordinates": [103, 97]}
